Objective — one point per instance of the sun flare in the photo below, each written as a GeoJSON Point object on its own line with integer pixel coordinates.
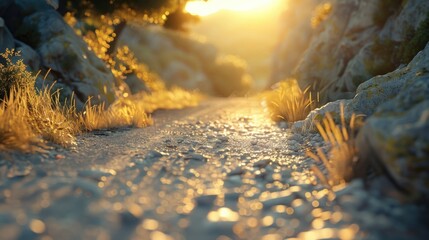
{"type": "Point", "coordinates": [203, 8]}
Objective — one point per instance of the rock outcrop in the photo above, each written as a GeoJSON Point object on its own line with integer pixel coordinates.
{"type": "Point", "coordinates": [6, 38]}
{"type": "Point", "coordinates": [47, 42]}
{"type": "Point", "coordinates": [185, 61]}
{"type": "Point", "coordinates": [395, 136]}
{"type": "Point", "coordinates": [68, 56]}
{"type": "Point", "coordinates": [354, 41]}
{"type": "Point", "coordinates": [295, 36]}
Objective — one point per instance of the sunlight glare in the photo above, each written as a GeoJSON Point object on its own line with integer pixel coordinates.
{"type": "Point", "coordinates": [203, 8]}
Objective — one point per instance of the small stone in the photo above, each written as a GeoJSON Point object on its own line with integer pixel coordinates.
{"type": "Point", "coordinates": [155, 154]}
{"type": "Point", "coordinates": [94, 174]}
{"type": "Point", "coordinates": [88, 187]}
{"type": "Point", "coordinates": [205, 200]}
{"type": "Point", "coordinates": [195, 156]}
{"type": "Point", "coordinates": [129, 219]}
{"type": "Point", "coordinates": [262, 163]}
{"type": "Point", "coordinates": [283, 124]}
{"type": "Point", "coordinates": [19, 170]}
{"type": "Point", "coordinates": [236, 172]}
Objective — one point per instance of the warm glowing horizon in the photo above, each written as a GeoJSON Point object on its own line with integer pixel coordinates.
{"type": "Point", "coordinates": [203, 8]}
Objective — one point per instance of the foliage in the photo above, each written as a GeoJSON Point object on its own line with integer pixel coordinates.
{"type": "Point", "coordinates": [126, 60]}
{"type": "Point", "coordinates": [288, 102]}
{"type": "Point", "coordinates": [229, 76]}
{"type": "Point", "coordinates": [13, 74]}
{"type": "Point", "coordinates": [320, 14]}
{"type": "Point", "coordinates": [121, 113]}
{"type": "Point", "coordinates": [153, 11]}
{"type": "Point", "coordinates": [28, 118]}
{"type": "Point", "coordinates": [342, 157]}
{"type": "Point", "coordinates": [123, 62]}
{"type": "Point", "coordinates": [133, 111]}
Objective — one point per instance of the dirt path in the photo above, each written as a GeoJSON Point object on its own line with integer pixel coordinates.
{"type": "Point", "coordinates": [218, 171]}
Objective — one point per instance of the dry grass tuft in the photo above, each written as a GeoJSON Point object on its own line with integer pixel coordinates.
{"type": "Point", "coordinates": [133, 111]}
{"type": "Point", "coordinates": [121, 113]}
{"type": "Point", "coordinates": [288, 102]}
{"type": "Point", "coordinates": [342, 154]}
{"type": "Point", "coordinates": [27, 119]}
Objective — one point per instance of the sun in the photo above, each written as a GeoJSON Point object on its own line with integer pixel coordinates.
{"type": "Point", "coordinates": [204, 8]}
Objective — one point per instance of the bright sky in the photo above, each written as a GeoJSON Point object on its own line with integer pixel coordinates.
{"type": "Point", "coordinates": [203, 8]}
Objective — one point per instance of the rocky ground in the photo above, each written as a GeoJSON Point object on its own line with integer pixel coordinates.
{"type": "Point", "coordinates": [218, 171]}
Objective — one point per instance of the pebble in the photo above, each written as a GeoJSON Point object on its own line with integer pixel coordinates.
{"type": "Point", "coordinates": [206, 200]}
{"type": "Point", "coordinates": [262, 163]}
{"type": "Point", "coordinates": [285, 201]}
{"type": "Point", "coordinates": [19, 170]}
{"type": "Point", "coordinates": [236, 171]}
{"type": "Point", "coordinates": [95, 175]}
{"type": "Point", "coordinates": [195, 156]}
{"type": "Point", "coordinates": [88, 187]}
{"type": "Point", "coordinates": [250, 174]}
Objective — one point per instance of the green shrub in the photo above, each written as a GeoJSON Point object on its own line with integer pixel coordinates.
{"type": "Point", "coordinates": [13, 74]}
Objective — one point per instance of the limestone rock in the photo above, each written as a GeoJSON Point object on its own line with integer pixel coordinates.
{"type": "Point", "coordinates": [342, 35]}
{"type": "Point", "coordinates": [380, 89]}
{"type": "Point", "coordinates": [135, 84]}
{"type": "Point", "coordinates": [4, 4]}
{"type": "Point", "coordinates": [178, 59]}
{"type": "Point", "coordinates": [68, 56]}
{"type": "Point", "coordinates": [30, 57]}
{"type": "Point", "coordinates": [6, 38]}
{"type": "Point", "coordinates": [295, 38]}
{"type": "Point", "coordinates": [395, 138]}
{"type": "Point", "coordinates": [351, 46]}
{"type": "Point", "coordinates": [412, 14]}
{"type": "Point", "coordinates": [333, 108]}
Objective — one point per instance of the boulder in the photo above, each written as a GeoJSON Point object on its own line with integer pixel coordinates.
{"type": "Point", "coordinates": [294, 39]}
{"type": "Point", "coordinates": [135, 84]}
{"type": "Point", "coordinates": [14, 11]}
{"type": "Point", "coordinates": [4, 5]}
{"type": "Point", "coordinates": [411, 15]}
{"type": "Point", "coordinates": [357, 41]}
{"type": "Point", "coordinates": [32, 6]}
{"type": "Point", "coordinates": [395, 137]}
{"type": "Point", "coordinates": [341, 36]}
{"type": "Point", "coordinates": [333, 108]}
{"type": "Point", "coordinates": [29, 56]}
{"type": "Point", "coordinates": [68, 56]}
{"type": "Point", "coordinates": [177, 58]}
{"type": "Point", "coordinates": [6, 38]}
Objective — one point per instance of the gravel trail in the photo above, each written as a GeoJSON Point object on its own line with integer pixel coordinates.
{"type": "Point", "coordinates": [218, 171]}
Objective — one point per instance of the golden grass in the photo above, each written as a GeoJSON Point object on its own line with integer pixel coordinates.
{"type": "Point", "coordinates": [134, 110]}
{"type": "Point", "coordinates": [288, 102]}
{"type": "Point", "coordinates": [121, 113]}
{"type": "Point", "coordinates": [342, 154]}
{"type": "Point", "coordinates": [30, 118]}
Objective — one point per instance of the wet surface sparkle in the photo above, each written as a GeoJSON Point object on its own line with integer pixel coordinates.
{"type": "Point", "coordinates": [222, 171]}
